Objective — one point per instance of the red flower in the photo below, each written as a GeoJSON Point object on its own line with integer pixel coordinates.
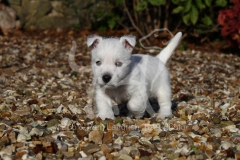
{"type": "Point", "coordinates": [229, 19]}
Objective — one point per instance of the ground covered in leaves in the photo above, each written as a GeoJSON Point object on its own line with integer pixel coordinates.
{"type": "Point", "coordinates": [46, 108]}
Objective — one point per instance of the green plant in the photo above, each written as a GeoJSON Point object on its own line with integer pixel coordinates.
{"type": "Point", "coordinates": [147, 15]}
{"type": "Point", "coordinates": [196, 18]}
{"type": "Point", "coordinates": [113, 20]}
{"type": "Point", "coordinates": [183, 46]}
{"type": "Point", "coordinates": [194, 149]}
{"type": "Point", "coordinates": [108, 14]}
{"type": "Point", "coordinates": [192, 10]}
{"type": "Point", "coordinates": [142, 5]}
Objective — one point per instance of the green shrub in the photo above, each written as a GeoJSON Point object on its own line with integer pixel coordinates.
{"type": "Point", "coordinates": [193, 10]}
{"type": "Point", "coordinates": [194, 17]}
{"type": "Point", "coordinates": [108, 14]}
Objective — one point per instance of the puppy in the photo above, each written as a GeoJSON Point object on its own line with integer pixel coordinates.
{"type": "Point", "coordinates": [125, 78]}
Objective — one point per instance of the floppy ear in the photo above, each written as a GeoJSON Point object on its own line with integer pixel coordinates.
{"type": "Point", "coordinates": [128, 42]}
{"type": "Point", "coordinates": [93, 41]}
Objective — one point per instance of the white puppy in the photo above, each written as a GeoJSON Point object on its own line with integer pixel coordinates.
{"type": "Point", "coordinates": [132, 79]}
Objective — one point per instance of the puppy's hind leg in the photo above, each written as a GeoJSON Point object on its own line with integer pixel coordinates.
{"type": "Point", "coordinates": [164, 99]}
{"type": "Point", "coordinates": [104, 105]}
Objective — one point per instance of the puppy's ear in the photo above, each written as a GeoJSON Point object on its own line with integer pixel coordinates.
{"type": "Point", "coordinates": [93, 41]}
{"type": "Point", "coordinates": [128, 42]}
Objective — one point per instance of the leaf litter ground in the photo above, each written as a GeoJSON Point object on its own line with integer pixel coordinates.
{"type": "Point", "coordinates": [47, 109]}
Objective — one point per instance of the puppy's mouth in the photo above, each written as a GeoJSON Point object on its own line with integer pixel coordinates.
{"type": "Point", "coordinates": [106, 85]}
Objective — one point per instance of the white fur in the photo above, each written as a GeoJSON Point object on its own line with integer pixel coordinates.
{"type": "Point", "coordinates": [134, 78]}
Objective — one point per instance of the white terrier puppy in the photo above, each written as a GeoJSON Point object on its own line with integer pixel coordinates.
{"type": "Point", "coordinates": [122, 77]}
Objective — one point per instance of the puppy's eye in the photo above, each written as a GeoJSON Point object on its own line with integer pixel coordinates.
{"type": "Point", "coordinates": [118, 64]}
{"type": "Point", "coordinates": [98, 63]}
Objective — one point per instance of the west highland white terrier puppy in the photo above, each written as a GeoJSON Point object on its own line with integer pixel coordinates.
{"type": "Point", "coordinates": [132, 79]}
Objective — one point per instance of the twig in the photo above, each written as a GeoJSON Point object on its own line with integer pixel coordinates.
{"type": "Point", "coordinates": [133, 24]}
{"type": "Point", "coordinates": [177, 26]}
{"type": "Point", "coordinates": [148, 25]}
{"type": "Point", "coordinates": [184, 35]}
{"type": "Point", "coordinates": [155, 30]}
{"type": "Point", "coordinates": [135, 13]}
{"type": "Point", "coordinates": [165, 25]}
{"type": "Point", "coordinates": [121, 24]}
{"type": "Point", "coordinates": [214, 29]}
{"type": "Point", "coordinates": [104, 15]}
{"type": "Point", "coordinates": [158, 18]}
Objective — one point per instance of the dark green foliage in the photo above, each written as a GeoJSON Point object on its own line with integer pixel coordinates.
{"type": "Point", "coordinates": [107, 14]}
{"type": "Point", "coordinates": [195, 17]}
{"type": "Point", "coordinates": [193, 10]}
{"type": "Point", "coordinates": [142, 5]}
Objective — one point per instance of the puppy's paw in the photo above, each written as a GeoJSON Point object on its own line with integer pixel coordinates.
{"type": "Point", "coordinates": [103, 116]}
{"type": "Point", "coordinates": [139, 116]}
{"type": "Point", "coordinates": [163, 115]}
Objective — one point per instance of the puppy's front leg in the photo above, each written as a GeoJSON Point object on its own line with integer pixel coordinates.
{"type": "Point", "coordinates": [104, 105]}
{"type": "Point", "coordinates": [137, 105]}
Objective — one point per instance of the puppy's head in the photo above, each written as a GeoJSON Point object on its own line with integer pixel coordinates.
{"type": "Point", "coordinates": [111, 58]}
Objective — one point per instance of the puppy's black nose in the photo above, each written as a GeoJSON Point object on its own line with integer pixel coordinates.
{"type": "Point", "coordinates": [106, 78]}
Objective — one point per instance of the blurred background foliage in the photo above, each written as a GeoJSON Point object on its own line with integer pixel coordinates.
{"type": "Point", "coordinates": [204, 20]}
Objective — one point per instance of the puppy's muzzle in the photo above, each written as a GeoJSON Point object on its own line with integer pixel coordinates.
{"type": "Point", "coordinates": [106, 78]}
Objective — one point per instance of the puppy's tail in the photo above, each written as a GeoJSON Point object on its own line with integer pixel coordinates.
{"type": "Point", "coordinates": [168, 50]}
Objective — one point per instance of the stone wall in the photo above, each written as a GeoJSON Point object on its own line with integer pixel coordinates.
{"type": "Point", "coordinates": [44, 14]}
